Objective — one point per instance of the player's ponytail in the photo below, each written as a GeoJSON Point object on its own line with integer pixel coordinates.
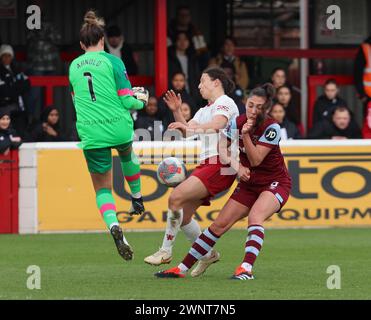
{"type": "Point", "coordinates": [92, 29]}
{"type": "Point", "coordinates": [265, 91]}
{"type": "Point", "coordinates": [216, 73]}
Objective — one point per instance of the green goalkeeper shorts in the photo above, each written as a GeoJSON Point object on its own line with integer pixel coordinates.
{"type": "Point", "coordinates": [100, 160]}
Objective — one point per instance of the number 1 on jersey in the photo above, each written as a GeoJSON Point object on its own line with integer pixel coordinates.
{"type": "Point", "coordinates": [90, 83]}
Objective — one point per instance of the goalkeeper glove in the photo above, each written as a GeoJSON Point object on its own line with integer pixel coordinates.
{"type": "Point", "coordinates": [141, 94]}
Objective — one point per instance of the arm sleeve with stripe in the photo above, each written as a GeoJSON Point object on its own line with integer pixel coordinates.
{"type": "Point", "coordinates": [123, 87]}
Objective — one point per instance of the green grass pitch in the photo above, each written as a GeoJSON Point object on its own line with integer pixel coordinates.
{"type": "Point", "coordinates": [292, 265]}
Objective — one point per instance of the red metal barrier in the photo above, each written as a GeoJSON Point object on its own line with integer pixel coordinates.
{"type": "Point", "coordinates": [49, 82]}
{"type": "Point", "coordinates": [9, 182]}
{"type": "Point", "coordinates": [299, 53]}
{"type": "Point", "coordinates": [319, 80]}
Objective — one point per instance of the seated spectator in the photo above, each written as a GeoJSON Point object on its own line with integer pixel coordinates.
{"type": "Point", "coordinates": [43, 55]}
{"type": "Point", "coordinates": [326, 103]}
{"type": "Point", "coordinates": [177, 84]}
{"type": "Point", "coordinates": [9, 139]}
{"type": "Point", "coordinates": [340, 126]}
{"type": "Point", "coordinates": [14, 87]}
{"type": "Point", "coordinates": [48, 129]}
{"type": "Point", "coordinates": [278, 77]}
{"type": "Point", "coordinates": [288, 129]}
{"type": "Point", "coordinates": [284, 97]}
{"type": "Point", "coordinates": [181, 58]}
{"type": "Point", "coordinates": [237, 95]}
{"type": "Point", "coordinates": [366, 130]}
{"type": "Point", "coordinates": [227, 56]}
{"type": "Point", "coordinates": [115, 44]}
{"type": "Point", "coordinates": [186, 111]}
{"type": "Point", "coordinates": [147, 119]}
{"type": "Point", "coordinates": [183, 23]}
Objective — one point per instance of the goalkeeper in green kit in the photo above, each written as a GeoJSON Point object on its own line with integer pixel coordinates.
{"type": "Point", "coordinates": [103, 98]}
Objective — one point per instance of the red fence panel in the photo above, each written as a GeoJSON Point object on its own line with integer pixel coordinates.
{"type": "Point", "coordinates": [9, 185]}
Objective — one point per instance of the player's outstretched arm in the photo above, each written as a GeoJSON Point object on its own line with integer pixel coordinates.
{"type": "Point", "coordinates": [174, 102]}
{"type": "Point", "coordinates": [218, 122]}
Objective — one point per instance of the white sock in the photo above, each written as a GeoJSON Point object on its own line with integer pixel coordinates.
{"type": "Point", "coordinates": [246, 266]}
{"type": "Point", "coordinates": [183, 268]}
{"type": "Point", "coordinates": [173, 222]}
{"type": "Point", "coordinates": [137, 195]}
{"type": "Point", "coordinates": [192, 230]}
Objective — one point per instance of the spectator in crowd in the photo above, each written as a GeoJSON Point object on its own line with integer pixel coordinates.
{"type": "Point", "coordinates": [362, 79]}
{"type": "Point", "coordinates": [326, 103]}
{"type": "Point", "coordinates": [181, 58]}
{"type": "Point", "coordinates": [115, 44]}
{"type": "Point", "coordinates": [183, 23]}
{"type": "Point", "coordinates": [177, 84]}
{"type": "Point", "coordinates": [366, 130]}
{"type": "Point", "coordinates": [237, 95]}
{"type": "Point", "coordinates": [42, 49]}
{"type": "Point", "coordinates": [339, 127]}
{"type": "Point", "coordinates": [186, 111]}
{"type": "Point", "coordinates": [284, 97]}
{"type": "Point", "coordinates": [362, 71]}
{"type": "Point", "coordinates": [227, 56]}
{"type": "Point", "coordinates": [147, 119]}
{"type": "Point", "coordinates": [48, 130]}
{"type": "Point", "coordinates": [43, 59]}
{"type": "Point", "coordinates": [14, 88]}
{"type": "Point", "coordinates": [288, 129]}
{"type": "Point", "coordinates": [9, 139]}
{"type": "Point", "coordinates": [278, 77]}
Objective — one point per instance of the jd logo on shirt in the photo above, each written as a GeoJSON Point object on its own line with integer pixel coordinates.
{"type": "Point", "coordinates": [271, 134]}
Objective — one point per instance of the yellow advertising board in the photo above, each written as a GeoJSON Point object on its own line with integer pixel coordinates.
{"type": "Point", "coordinates": [331, 187]}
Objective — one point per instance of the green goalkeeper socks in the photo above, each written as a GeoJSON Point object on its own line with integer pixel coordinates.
{"type": "Point", "coordinates": [131, 170]}
{"type": "Point", "coordinates": [107, 208]}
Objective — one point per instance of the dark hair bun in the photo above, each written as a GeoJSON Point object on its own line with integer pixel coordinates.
{"type": "Point", "coordinates": [91, 18]}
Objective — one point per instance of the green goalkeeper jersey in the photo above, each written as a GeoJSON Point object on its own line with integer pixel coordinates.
{"type": "Point", "coordinates": [103, 99]}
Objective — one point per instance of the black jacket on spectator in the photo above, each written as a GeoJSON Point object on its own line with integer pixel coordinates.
{"type": "Point", "coordinates": [5, 141]}
{"type": "Point", "coordinates": [38, 134]}
{"type": "Point", "coordinates": [193, 71]}
{"type": "Point", "coordinates": [291, 129]}
{"type": "Point", "coordinates": [145, 121]}
{"type": "Point", "coordinates": [128, 59]}
{"type": "Point", "coordinates": [326, 130]}
{"type": "Point", "coordinates": [324, 107]}
{"type": "Point", "coordinates": [12, 85]}
{"type": "Point", "coordinates": [237, 96]}
{"type": "Point", "coordinates": [292, 112]}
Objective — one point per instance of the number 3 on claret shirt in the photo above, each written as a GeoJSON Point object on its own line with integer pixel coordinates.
{"type": "Point", "coordinates": [90, 83]}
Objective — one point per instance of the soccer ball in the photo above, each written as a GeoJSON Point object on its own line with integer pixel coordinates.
{"type": "Point", "coordinates": [171, 172]}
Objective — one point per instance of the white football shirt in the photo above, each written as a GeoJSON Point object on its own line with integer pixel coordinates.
{"type": "Point", "coordinates": [224, 106]}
